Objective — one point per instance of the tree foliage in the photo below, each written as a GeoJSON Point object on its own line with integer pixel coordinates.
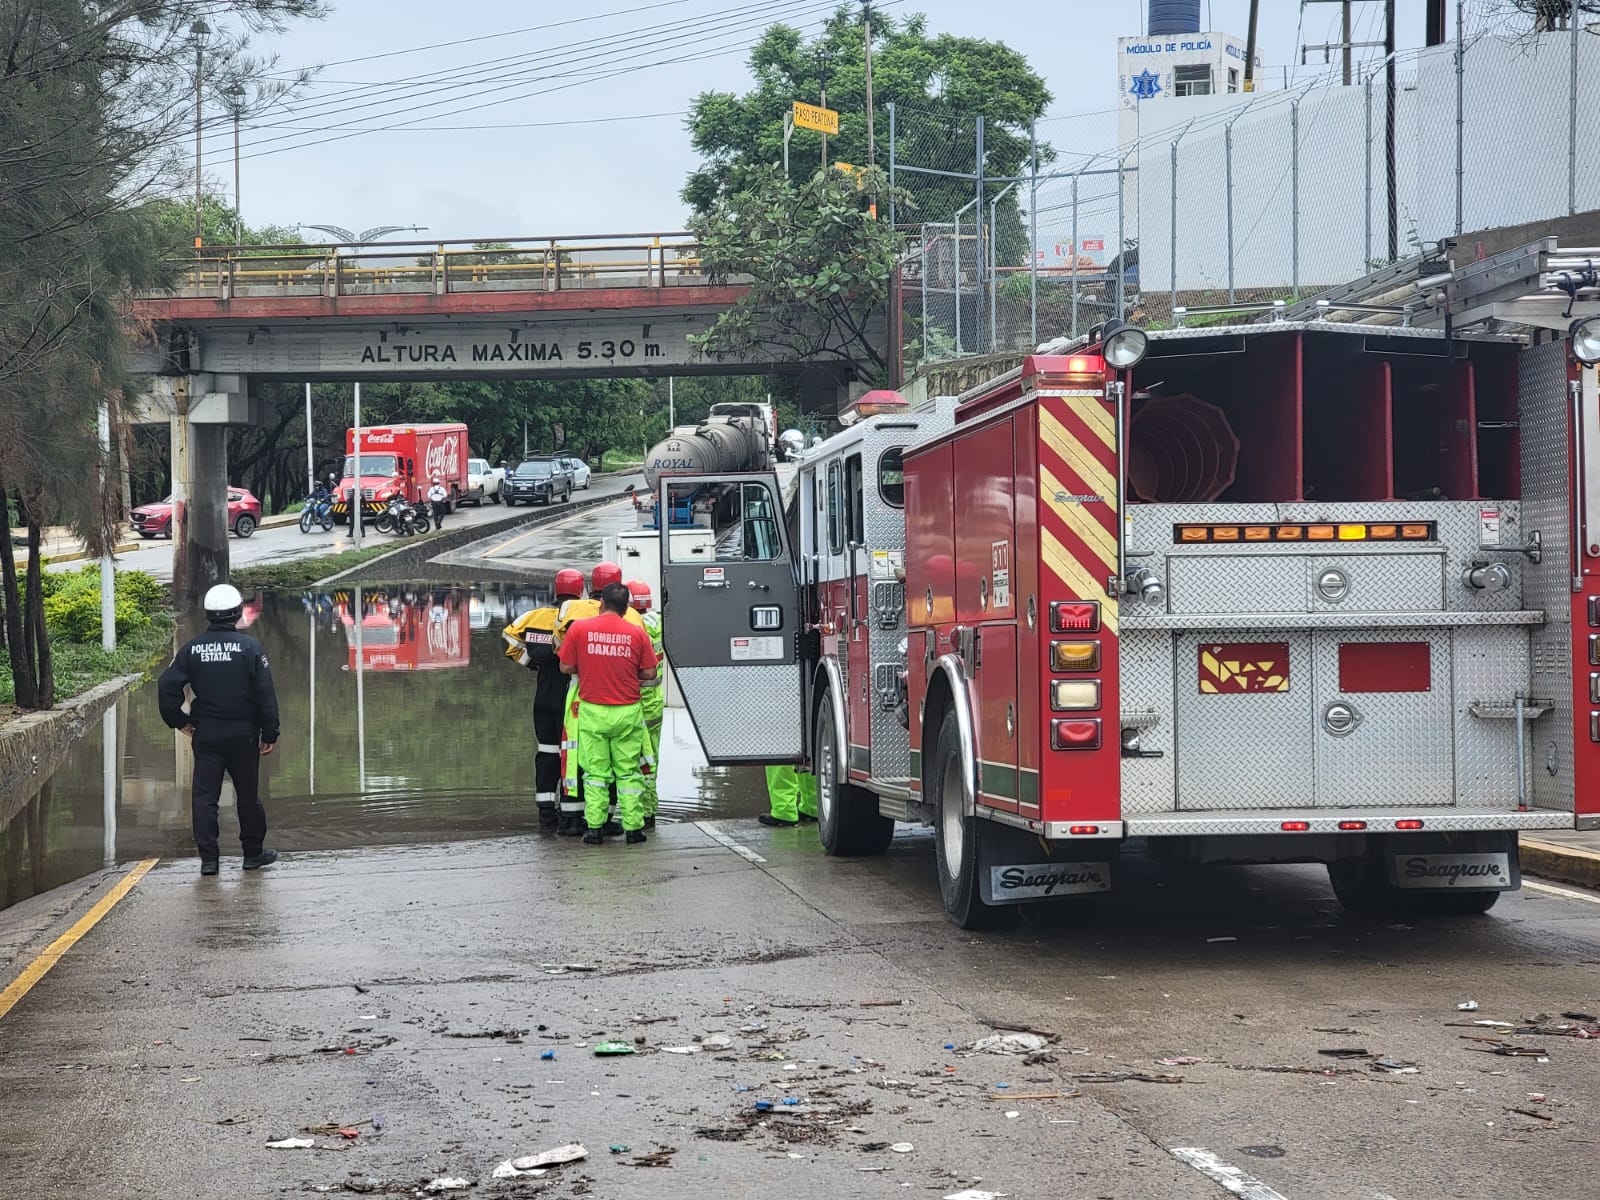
{"type": "Point", "coordinates": [819, 263]}
{"type": "Point", "coordinates": [87, 103]}
{"type": "Point", "coordinates": [939, 84]}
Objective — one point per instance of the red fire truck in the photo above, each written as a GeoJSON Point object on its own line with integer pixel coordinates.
{"type": "Point", "coordinates": [401, 460]}
{"type": "Point", "coordinates": [1324, 588]}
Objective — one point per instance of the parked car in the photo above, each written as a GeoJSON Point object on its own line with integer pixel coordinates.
{"type": "Point", "coordinates": [539, 480]}
{"type": "Point", "coordinates": [155, 520]}
{"type": "Point", "coordinates": [484, 482]}
{"type": "Point", "coordinates": [577, 468]}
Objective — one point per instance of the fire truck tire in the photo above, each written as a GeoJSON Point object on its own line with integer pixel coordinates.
{"type": "Point", "coordinates": [1359, 885]}
{"type": "Point", "coordinates": [956, 836]}
{"type": "Point", "coordinates": [848, 821]}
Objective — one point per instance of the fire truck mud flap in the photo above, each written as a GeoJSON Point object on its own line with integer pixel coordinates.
{"type": "Point", "coordinates": [1453, 863]}
{"type": "Point", "coordinates": [1015, 867]}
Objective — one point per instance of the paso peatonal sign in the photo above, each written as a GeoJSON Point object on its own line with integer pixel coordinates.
{"type": "Point", "coordinates": [573, 350]}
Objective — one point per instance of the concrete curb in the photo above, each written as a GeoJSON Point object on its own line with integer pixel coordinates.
{"type": "Point", "coordinates": [423, 550]}
{"type": "Point", "coordinates": [75, 555]}
{"type": "Point", "coordinates": [1564, 863]}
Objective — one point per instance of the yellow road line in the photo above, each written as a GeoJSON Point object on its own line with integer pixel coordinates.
{"type": "Point", "coordinates": [52, 954]}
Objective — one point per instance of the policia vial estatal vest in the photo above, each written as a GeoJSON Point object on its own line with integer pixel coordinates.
{"type": "Point", "coordinates": [530, 641]}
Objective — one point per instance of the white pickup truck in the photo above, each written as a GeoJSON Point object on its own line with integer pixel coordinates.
{"type": "Point", "coordinates": [484, 482]}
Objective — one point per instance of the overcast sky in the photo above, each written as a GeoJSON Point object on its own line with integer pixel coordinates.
{"type": "Point", "coordinates": [564, 133]}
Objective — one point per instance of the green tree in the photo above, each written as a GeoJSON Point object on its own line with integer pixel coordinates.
{"type": "Point", "coordinates": [939, 84]}
{"type": "Point", "coordinates": [91, 131]}
{"type": "Point", "coordinates": [819, 266]}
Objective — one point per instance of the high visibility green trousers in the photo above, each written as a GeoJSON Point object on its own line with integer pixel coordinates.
{"type": "Point", "coordinates": [653, 700]}
{"type": "Point", "coordinates": [791, 792]}
{"type": "Point", "coordinates": [610, 742]}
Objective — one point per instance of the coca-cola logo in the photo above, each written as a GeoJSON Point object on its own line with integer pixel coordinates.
{"type": "Point", "coordinates": [375, 437]}
{"type": "Point", "coordinates": [442, 457]}
{"type": "Point", "coordinates": [444, 637]}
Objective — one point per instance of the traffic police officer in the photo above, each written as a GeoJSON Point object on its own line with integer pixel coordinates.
{"type": "Point", "coordinates": [233, 721]}
{"type": "Point", "coordinates": [653, 697]}
{"type": "Point", "coordinates": [531, 642]}
{"type": "Point", "coordinates": [611, 657]}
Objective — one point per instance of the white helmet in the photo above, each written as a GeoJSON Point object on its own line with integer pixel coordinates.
{"type": "Point", "coordinates": [224, 604]}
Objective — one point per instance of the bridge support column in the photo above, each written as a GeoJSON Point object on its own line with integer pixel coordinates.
{"type": "Point", "coordinates": [198, 409]}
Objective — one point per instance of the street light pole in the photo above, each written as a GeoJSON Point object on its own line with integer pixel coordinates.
{"type": "Point", "coordinates": [822, 76]}
{"type": "Point", "coordinates": [235, 94]}
{"type": "Point", "coordinates": [199, 29]}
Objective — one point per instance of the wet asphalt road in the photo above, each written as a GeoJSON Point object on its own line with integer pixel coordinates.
{"type": "Point", "coordinates": [420, 914]}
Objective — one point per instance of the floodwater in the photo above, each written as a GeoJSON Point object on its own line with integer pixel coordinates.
{"type": "Point", "coordinates": [406, 726]}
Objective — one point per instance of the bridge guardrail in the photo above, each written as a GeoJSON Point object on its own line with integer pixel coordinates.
{"type": "Point", "coordinates": [659, 261]}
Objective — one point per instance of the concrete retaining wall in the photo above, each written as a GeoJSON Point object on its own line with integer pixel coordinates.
{"type": "Point", "coordinates": [34, 745]}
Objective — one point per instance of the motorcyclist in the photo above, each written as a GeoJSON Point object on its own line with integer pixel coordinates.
{"type": "Point", "coordinates": [653, 697]}
{"type": "Point", "coordinates": [530, 642]}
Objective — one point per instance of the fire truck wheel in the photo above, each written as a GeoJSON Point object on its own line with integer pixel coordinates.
{"type": "Point", "coordinates": [1359, 884]}
{"type": "Point", "coordinates": [848, 820]}
{"type": "Point", "coordinates": [956, 836]}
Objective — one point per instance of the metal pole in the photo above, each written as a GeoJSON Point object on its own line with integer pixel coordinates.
{"type": "Point", "coordinates": [1122, 236]}
{"type": "Point", "coordinates": [994, 274]}
{"type": "Point", "coordinates": [1172, 231]}
{"type": "Point", "coordinates": [238, 200]}
{"type": "Point", "coordinates": [1366, 262]}
{"type": "Point", "coordinates": [199, 55]}
{"type": "Point", "coordinates": [1461, 57]}
{"type": "Point", "coordinates": [958, 278]}
{"type": "Point", "coordinates": [1572, 113]}
{"type": "Point", "coordinates": [977, 227]}
{"type": "Point", "coordinates": [1073, 249]}
{"type": "Point", "coordinates": [311, 725]}
{"type": "Point", "coordinates": [1033, 235]}
{"type": "Point", "coordinates": [788, 133]}
{"type": "Point", "coordinates": [1345, 35]}
{"type": "Point", "coordinates": [1391, 94]}
{"type": "Point", "coordinates": [872, 146]}
{"type": "Point", "coordinates": [893, 210]}
{"type": "Point", "coordinates": [108, 564]}
{"type": "Point", "coordinates": [311, 450]}
{"type": "Point", "coordinates": [1227, 159]}
{"type": "Point", "coordinates": [924, 293]}
{"type": "Point", "coordinates": [1294, 198]}
{"type": "Point", "coordinates": [355, 488]}
{"type": "Point", "coordinates": [361, 694]}
{"type": "Point", "coordinates": [672, 403]}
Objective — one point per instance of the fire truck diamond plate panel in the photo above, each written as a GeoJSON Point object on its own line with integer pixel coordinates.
{"type": "Point", "coordinates": [725, 701]}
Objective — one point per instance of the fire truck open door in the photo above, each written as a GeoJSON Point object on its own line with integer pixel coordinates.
{"type": "Point", "coordinates": [731, 616]}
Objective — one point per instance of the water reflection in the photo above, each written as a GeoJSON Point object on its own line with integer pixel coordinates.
{"type": "Point", "coordinates": [402, 722]}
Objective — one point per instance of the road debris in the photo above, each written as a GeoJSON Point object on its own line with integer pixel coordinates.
{"type": "Point", "coordinates": [1467, 1006]}
{"type": "Point", "coordinates": [1186, 1060]}
{"type": "Point", "coordinates": [293, 1144]}
{"type": "Point", "coordinates": [1222, 939]}
{"type": "Point", "coordinates": [1263, 1151]}
{"type": "Point", "coordinates": [569, 1153]}
{"type": "Point", "coordinates": [882, 1003]}
{"type": "Point", "coordinates": [611, 1049]}
{"type": "Point", "coordinates": [970, 1194]}
{"type": "Point", "coordinates": [680, 1049]}
{"type": "Point", "coordinates": [508, 1170]}
{"type": "Point", "coordinates": [547, 1056]}
{"type": "Point", "coordinates": [1528, 1112]}
{"type": "Point", "coordinates": [448, 1183]}
{"type": "Point", "coordinates": [1007, 1043]}
{"type": "Point", "coordinates": [513, 1036]}
{"type": "Point", "coordinates": [1390, 1066]}
{"type": "Point", "coordinates": [1037, 1095]}
{"type": "Point", "coordinates": [1125, 1077]}
{"type": "Point", "coordinates": [659, 1157]}
{"type": "Point", "coordinates": [902, 1147]}
{"type": "Point", "coordinates": [1347, 1052]}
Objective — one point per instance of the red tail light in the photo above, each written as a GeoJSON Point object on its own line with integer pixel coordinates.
{"type": "Point", "coordinates": [1409, 824]}
{"type": "Point", "coordinates": [1352, 826]}
{"type": "Point", "coordinates": [1296, 826]}
{"type": "Point", "coordinates": [1075, 735]}
{"type": "Point", "coordinates": [1075, 616]}
{"type": "Point", "coordinates": [1084, 830]}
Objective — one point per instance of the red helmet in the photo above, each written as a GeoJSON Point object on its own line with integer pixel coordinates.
{"type": "Point", "coordinates": [569, 583]}
{"type": "Point", "coordinates": [642, 599]}
{"type": "Point", "coordinates": [604, 575]}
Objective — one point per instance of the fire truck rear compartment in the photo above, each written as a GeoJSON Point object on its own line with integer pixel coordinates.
{"type": "Point", "coordinates": [1319, 646]}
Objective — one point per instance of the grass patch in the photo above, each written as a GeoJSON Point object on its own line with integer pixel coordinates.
{"type": "Point", "coordinates": [80, 666]}
{"type": "Point", "coordinates": [303, 572]}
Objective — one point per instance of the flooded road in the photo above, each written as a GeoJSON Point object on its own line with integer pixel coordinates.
{"type": "Point", "coordinates": [406, 726]}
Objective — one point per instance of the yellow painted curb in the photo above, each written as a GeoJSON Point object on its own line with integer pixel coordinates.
{"type": "Point", "coordinates": [1550, 861]}
{"type": "Point", "coordinates": [52, 954]}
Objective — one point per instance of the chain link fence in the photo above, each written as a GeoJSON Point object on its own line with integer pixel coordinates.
{"type": "Point", "coordinates": [1230, 200]}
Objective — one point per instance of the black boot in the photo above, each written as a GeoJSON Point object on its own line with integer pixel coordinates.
{"type": "Point", "coordinates": [571, 824]}
{"type": "Point", "coordinates": [548, 816]}
{"type": "Point", "coordinates": [593, 838]}
{"type": "Point", "coordinates": [210, 866]}
{"type": "Point", "coordinates": [265, 858]}
{"type": "Point", "coordinates": [612, 828]}
{"type": "Point", "coordinates": [636, 837]}
{"type": "Point", "coordinates": [650, 821]}
{"type": "Point", "coordinates": [776, 822]}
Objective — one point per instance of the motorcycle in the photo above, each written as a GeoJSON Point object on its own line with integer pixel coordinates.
{"type": "Point", "coordinates": [317, 512]}
{"type": "Point", "coordinates": [402, 518]}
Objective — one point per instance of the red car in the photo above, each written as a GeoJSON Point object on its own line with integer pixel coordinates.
{"type": "Point", "coordinates": [155, 520]}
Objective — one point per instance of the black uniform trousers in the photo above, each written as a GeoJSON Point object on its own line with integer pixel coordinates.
{"type": "Point", "coordinates": [240, 757]}
{"type": "Point", "coordinates": [547, 722]}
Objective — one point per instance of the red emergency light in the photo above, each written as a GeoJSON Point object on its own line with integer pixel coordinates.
{"type": "Point", "coordinates": [873, 404]}
{"type": "Point", "coordinates": [1075, 616]}
{"type": "Point", "coordinates": [1075, 735]}
{"type": "Point", "coordinates": [1073, 373]}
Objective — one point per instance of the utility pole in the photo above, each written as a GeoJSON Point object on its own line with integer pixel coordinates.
{"type": "Point", "coordinates": [355, 488]}
{"type": "Point", "coordinates": [199, 29]}
{"type": "Point", "coordinates": [822, 75]}
{"type": "Point", "coordinates": [1344, 34]}
{"type": "Point", "coordinates": [235, 94]}
{"type": "Point", "coordinates": [311, 452]}
{"type": "Point", "coordinates": [1249, 58]}
{"type": "Point", "coordinates": [872, 148]}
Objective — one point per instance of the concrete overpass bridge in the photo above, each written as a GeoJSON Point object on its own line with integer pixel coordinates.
{"type": "Point", "coordinates": [561, 307]}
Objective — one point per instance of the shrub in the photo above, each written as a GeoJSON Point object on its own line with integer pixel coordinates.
{"type": "Point", "coordinates": [72, 603]}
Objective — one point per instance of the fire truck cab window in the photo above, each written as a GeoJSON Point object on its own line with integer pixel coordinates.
{"type": "Point", "coordinates": [743, 518]}
{"type": "Point", "coordinates": [835, 508]}
{"type": "Point", "coordinates": [855, 525]}
{"type": "Point", "coordinates": [892, 477]}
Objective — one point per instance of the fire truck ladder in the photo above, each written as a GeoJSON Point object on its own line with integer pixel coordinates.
{"type": "Point", "coordinates": [1536, 286]}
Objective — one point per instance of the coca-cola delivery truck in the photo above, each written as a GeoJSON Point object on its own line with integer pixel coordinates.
{"type": "Point", "coordinates": [1323, 587]}
{"type": "Point", "coordinates": [401, 460]}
